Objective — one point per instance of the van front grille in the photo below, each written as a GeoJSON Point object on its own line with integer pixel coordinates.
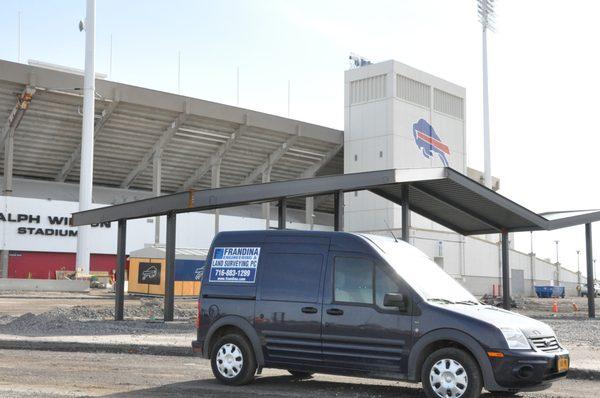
{"type": "Point", "coordinates": [545, 344]}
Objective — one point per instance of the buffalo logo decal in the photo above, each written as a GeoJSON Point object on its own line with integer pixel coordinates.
{"type": "Point", "coordinates": [429, 142]}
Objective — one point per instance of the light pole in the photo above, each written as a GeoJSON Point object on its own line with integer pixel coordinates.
{"type": "Point", "coordinates": [485, 9]}
{"type": "Point", "coordinates": [556, 242]}
{"type": "Point", "coordinates": [87, 137]}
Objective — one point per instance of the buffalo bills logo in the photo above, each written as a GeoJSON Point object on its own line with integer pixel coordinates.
{"type": "Point", "coordinates": [429, 142]}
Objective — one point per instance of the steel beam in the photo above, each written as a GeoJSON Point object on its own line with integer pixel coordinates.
{"type": "Point", "coordinates": [338, 209]}
{"type": "Point", "coordinates": [209, 199]}
{"type": "Point", "coordinates": [16, 114]}
{"type": "Point", "coordinates": [162, 142]}
{"type": "Point", "coordinates": [282, 213]}
{"type": "Point", "coordinates": [405, 212]}
{"type": "Point", "coordinates": [271, 160]}
{"type": "Point", "coordinates": [505, 271]}
{"type": "Point", "coordinates": [120, 272]}
{"type": "Point", "coordinates": [76, 154]}
{"type": "Point", "coordinates": [213, 159]}
{"type": "Point", "coordinates": [169, 304]}
{"type": "Point", "coordinates": [589, 257]}
{"type": "Point", "coordinates": [314, 169]}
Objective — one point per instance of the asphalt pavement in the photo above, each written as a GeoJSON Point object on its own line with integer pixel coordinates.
{"type": "Point", "coordinates": [77, 374]}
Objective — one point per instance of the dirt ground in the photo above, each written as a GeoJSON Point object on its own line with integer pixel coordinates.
{"type": "Point", "coordinates": [56, 374]}
{"type": "Point", "coordinates": [63, 317]}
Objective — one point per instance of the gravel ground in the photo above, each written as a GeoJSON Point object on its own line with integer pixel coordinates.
{"type": "Point", "coordinates": [89, 320]}
{"type": "Point", "coordinates": [56, 374]}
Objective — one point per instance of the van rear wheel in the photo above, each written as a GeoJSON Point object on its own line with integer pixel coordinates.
{"type": "Point", "coordinates": [300, 375]}
{"type": "Point", "coordinates": [232, 360]}
{"type": "Point", "coordinates": [451, 372]}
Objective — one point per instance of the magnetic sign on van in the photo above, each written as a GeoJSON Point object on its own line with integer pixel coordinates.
{"type": "Point", "coordinates": [234, 264]}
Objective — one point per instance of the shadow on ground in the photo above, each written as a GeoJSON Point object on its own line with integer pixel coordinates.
{"type": "Point", "coordinates": [278, 387]}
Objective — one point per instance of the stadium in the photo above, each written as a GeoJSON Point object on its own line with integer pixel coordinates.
{"type": "Point", "coordinates": [149, 143]}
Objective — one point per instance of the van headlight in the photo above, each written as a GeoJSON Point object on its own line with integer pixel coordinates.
{"type": "Point", "coordinates": [515, 339]}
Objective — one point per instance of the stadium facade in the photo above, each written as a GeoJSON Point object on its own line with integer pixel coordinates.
{"type": "Point", "coordinates": [150, 143]}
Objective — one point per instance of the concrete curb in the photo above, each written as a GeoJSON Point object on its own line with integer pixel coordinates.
{"type": "Point", "coordinates": [95, 347]}
{"type": "Point", "coordinates": [177, 351]}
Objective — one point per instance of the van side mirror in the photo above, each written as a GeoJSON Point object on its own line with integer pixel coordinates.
{"type": "Point", "coordinates": [394, 300]}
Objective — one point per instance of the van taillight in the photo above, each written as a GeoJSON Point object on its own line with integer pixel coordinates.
{"type": "Point", "coordinates": [198, 315]}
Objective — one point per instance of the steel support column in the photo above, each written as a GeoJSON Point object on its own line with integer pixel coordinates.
{"type": "Point", "coordinates": [120, 276]}
{"type": "Point", "coordinates": [505, 272]}
{"type": "Point", "coordinates": [338, 209]}
{"type": "Point", "coordinates": [405, 213]}
{"type": "Point", "coordinates": [282, 213]}
{"type": "Point", "coordinates": [156, 190]}
{"type": "Point", "coordinates": [589, 257]}
{"type": "Point", "coordinates": [9, 145]}
{"type": "Point", "coordinates": [266, 207]}
{"type": "Point", "coordinates": [309, 210]}
{"type": "Point", "coordinates": [215, 182]}
{"type": "Point", "coordinates": [169, 303]}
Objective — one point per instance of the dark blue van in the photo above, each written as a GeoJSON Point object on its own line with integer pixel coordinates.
{"type": "Point", "coordinates": [361, 305]}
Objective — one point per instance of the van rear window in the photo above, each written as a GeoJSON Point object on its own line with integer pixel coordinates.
{"type": "Point", "coordinates": [291, 277]}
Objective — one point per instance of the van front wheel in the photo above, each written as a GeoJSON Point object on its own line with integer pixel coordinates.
{"type": "Point", "coordinates": [232, 360]}
{"type": "Point", "coordinates": [451, 372]}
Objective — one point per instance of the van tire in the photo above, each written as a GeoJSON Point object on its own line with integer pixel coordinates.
{"type": "Point", "coordinates": [296, 374]}
{"type": "Point", "coordinates": [233, 347]}
{"type": "Point", "coordinates": [457, 356]}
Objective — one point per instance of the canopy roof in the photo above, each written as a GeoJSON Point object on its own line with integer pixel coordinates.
{"type": "Point", "coordinates": [440, 194]}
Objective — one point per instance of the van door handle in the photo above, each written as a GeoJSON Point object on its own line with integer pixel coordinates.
{"type": "Point", "coordinates": [335, 311]}
{"type": "Point", "coordinates": [309, 310]}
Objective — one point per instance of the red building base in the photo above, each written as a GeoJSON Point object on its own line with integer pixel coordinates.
{"type": "Point", "coordinates": [43, 265]}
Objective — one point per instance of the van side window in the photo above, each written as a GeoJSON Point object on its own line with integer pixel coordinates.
{"type": "Point", "coordinates": [353, 280]}
{"type": "Point", "coordinates": [291, 277]}
{"type": "Point", "coordinates": [383, 285]}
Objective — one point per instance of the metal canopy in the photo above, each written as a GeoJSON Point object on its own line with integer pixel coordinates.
{"type": "Point", "coordinates": [440, 194]}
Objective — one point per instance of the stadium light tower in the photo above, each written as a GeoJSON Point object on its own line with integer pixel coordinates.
{"type": "Point", "coordinates": [485, 9]}
{"type": "Point", "coordinates": [87, 136]}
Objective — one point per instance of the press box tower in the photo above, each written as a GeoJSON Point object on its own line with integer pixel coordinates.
{"type": "Point", "coordinates": [398, 117]}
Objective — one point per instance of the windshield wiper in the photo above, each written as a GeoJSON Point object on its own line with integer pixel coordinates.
{"type": "Point", "coordinates": [468, 302]}
{"type": "Point", "coordinates": [441, 300]}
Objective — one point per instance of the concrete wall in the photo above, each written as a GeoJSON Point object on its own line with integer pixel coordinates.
{"type": "Point", "coordinates": [43, 285]}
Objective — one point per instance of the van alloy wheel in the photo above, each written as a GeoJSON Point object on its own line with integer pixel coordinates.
{"type": "Point", "coordinates": [448, 378]}
{"type": "Point", "coordinates": [229, 360]}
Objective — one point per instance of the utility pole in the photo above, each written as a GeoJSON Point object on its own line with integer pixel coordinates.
{"type": "Point", "coordinates": [485, 9]}
{"type": "Point", "coordinates": [87, 137]}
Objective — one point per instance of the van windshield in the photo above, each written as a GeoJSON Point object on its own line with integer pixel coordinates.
{"type": "Point", "coordinates": [422, 274]}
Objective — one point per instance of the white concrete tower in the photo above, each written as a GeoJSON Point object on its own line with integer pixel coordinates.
{"type": "Point", "coordinates": [398, 117]}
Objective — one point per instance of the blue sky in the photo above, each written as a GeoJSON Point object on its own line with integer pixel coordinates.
{"type": "Point", "coordinates": [543, 70]}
